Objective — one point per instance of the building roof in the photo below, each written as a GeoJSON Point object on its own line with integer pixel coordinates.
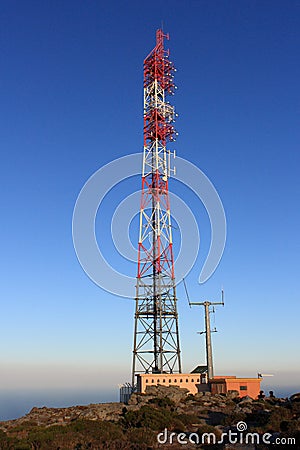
{"type": "Point", "coordinates": [200, 369]}
{"type": "Point", "coordinates": [223, 379]}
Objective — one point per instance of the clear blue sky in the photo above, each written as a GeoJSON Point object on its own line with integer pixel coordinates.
{"type": "Point", "coordinates": [71, 101]}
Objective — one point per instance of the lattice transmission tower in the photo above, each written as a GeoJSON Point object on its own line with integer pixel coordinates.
{"type": "Point", "coordinates": [156, 335]}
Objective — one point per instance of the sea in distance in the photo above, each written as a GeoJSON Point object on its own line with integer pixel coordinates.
{"type": "Point", "coordinates": [17, 403]}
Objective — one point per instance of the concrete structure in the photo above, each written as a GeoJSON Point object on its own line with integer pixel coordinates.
{"type": "Point", "coordinates": [194, 382]}
{"type": "Point", "coordinates": [245, 386]}
{"type": "Point", "coordinates": [197, 382]}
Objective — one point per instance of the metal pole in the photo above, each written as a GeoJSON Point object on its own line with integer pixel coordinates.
{"type": "Point", "coordinates": [209, 358]}
{"type": "Point", "coordinates": [208, 340]}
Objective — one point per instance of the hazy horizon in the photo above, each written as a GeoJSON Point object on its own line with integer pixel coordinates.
{"type": "Point", "coordinates": [15, 404]}
{"type": "Point", "coordinates": [62, 386]}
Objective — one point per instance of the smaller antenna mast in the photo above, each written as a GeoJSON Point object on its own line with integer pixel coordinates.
{"type": "Point", "coordinates": [208, 331]}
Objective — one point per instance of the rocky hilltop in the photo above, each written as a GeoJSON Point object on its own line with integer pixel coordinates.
{"type": "Point", "coordinates": [163, 417]}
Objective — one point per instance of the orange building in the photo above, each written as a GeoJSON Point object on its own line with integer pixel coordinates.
{"type": "Point", "coordinates": [197, 382]}
{"type": "Point", "coordinates": [245, 386]}
{"type": "Point", "coordinates": [191, 381]}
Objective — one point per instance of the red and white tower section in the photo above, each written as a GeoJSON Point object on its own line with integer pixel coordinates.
{"type": "Point", "coordinates": [156, 336]}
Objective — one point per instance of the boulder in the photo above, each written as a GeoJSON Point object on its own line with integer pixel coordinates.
{"type": "Point", "coordinates": [245, 401]}
{"type": "Point", "coordinates": [295, 397]}
{"type": "Point", "coordinates": [232, 394]}
{"type": "Point", "coordinates": [174, 393]}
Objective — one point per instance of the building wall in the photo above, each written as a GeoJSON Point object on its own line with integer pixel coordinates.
{"type": "Point", "coordinates": [245, 386]}
{"type": "Point", "coordinates": [250, 387]}
{"type": "Point", "coordinates": [194, 382]}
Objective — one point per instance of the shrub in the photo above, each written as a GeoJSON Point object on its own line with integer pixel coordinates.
{"type": "Point", "coordinates": [188, 419]}
{"type": "Point", "coordinates": [144, 438]}
{"type": "Point", "coordinates": [277, 417]}
{"type": "Point", "coordinates": [147, 417]}
{"type": "Point", "coordinates": [233, 418]}
{"type": "Point", "coordinates": [164, 402]}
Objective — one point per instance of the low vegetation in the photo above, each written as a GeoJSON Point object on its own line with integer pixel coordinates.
{"type": "Point", "coordinates": [136, 426]}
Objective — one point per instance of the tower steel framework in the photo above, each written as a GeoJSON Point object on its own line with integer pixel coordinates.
{"type": "Point", "coordinates": [156, 335]}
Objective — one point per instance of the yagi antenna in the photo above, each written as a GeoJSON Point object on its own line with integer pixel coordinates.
{"type": "Point", "coordinates": [262, 375]}
{"type": "Point", "coordinates": [187, 294]}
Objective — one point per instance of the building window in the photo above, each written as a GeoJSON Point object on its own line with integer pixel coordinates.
{"type": "Point", "coordinates": [180, 380]}
{"type": "Point", "coordinates": [175, 381]}
{"type": "Point", "coordinates": [152, 381]}
{"type": "Point", "coordinates": [186, 380]}
{"type": "Point", "coordinates": [164, 380]}
{"type": "Point", "coordinates": [170, 381]}
{"type": "Point", "coordinates": [146, 381]}
{"type": "Point", "coordinates": [198, 380]}
{"type": "Point", "coordinates": [192, 380]}
{"type": "Point", "coordinates": [243, 388]}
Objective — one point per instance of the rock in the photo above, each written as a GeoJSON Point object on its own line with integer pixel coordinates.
{"type": "Point", "coordinates": [51, 416]}
{"type": "Point", "coordinates": [207, 394]}
{"type": "Point", "coordinates": [295, 397]}
{"type": "Point", "coordinates": [219, 397]}
{"type": "Point", "coordinates": [199, 395]}
{"type": "Point", "coordinates": [222, 405]}
{"type": "Point", "coordinates": [245, 400]}
{"type": "Point", "coordinates": [238, 409]}
{"type": "Point", "coordinates": [247, 410]}
{"type": "Point", "coordinates": [174, 393]}
{"type": "Point", "coordinates": [133, 399]}
{"type": "Point", "coordinates": [232, 394]}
